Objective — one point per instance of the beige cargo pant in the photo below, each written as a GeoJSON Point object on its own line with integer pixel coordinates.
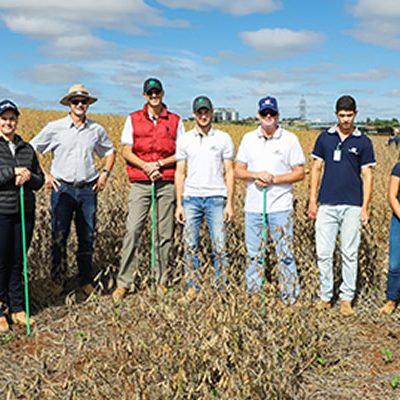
{"type": "Point", "coordinates": [139, 208]}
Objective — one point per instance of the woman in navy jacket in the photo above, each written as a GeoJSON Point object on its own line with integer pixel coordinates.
{"type": "Point", "coordinates": [18, 166]}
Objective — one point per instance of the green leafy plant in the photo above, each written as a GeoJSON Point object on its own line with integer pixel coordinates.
{"type": "Point", "coordinates": [387, 355]}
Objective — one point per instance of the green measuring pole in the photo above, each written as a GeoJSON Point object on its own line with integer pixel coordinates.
{"type": "Point", "coordinates": [264, 236]}
{"type": "Point", "coordinates": [25, 262]}
{"type": "Point", "coordinates": [153, 226]}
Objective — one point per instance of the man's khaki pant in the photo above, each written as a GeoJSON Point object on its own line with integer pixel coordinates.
{"type": "Point", "coordinates": [139, 206]}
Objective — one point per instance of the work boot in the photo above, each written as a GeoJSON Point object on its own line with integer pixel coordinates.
{"type": "Point", "coordinates": [346, 309]}
{"type": "Point", "coordinates": [4, 327]}
{"type": "Point", "coordinates": [323, 305]}
{"type": "Point", "coordinates": [388, 308]}
{"type": "Point", "coordinates": [19, 318]}
{"type": "Point", "coordinates": [118, 295]}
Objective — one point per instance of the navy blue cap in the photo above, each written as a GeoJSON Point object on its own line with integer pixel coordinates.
{"type": "Point", "coordinates": [6, 105]}
{"type": "Point", "coordinates": [268, 103]}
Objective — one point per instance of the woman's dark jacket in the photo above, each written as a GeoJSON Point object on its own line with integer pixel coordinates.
{"type": "Point", "coordinates": [10, 193]}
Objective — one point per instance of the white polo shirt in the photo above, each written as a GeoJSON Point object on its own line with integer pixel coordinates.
{"type": "Point", "coordinates": [278, 156]}
{"type": "Point", "coordinates": [205, 155]}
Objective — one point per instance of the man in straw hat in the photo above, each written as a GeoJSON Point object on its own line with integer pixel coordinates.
{"type": "Point", "coordinates": [149, 142]}
{"type": "Point", "coordinates": [74, 180]}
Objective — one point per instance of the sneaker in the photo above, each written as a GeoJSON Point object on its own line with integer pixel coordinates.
{"type": "Point", "coordinates": [388, 308]}
{"type": "Point", "coordinates": [4, 327]}
{"type": "Point", "coordinates": [323, 305]}
{"type": "Point", "coordinates": [346, 309]}
{"type": "Point", "coordinates": [189, 297]}
{"type": "Point", "coordinates": [19, 318]}
{"type": "Point", "coordinates": [88, 289]}
{"type": "Point", "coordinates": [119, 294]}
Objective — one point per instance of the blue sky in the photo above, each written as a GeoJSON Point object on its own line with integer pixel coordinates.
{"type": "Point", "coordinates": [234, 51]}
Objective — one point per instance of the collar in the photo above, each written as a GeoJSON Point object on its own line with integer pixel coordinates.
{"type": "Point", "coordinates": [70, 122]}
{"type": "Point", "coordinates": [333, 130]}
{"type": "Point", "coordinates": [164, 112]}
{"type": "Point", "coordinates": [211, 132]}
{"type": "Point", "coordinates": [277, 134]}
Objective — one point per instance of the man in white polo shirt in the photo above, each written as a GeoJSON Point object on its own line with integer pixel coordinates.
{"type": "Point", "coordinates": [270, 158]}
{"type": "Point", "coordinates": [207, 155]}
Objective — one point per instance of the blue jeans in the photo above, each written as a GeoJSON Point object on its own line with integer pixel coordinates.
{"type": "Point", "coordinates": [68, 203]}
{"type": "Point", "coordinates": [281, 229]}
{"type": "Point", "coordinates": [331, 219]}
{"type": "Point", "coordinates": [393, 278]}
{"type": "Point", "coordinates": [212, 209]}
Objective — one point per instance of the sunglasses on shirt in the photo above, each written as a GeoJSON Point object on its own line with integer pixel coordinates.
{"type": "Point", "coordinates": [266, 112]}
{"type": "Point", "coordinates": [75, 102]}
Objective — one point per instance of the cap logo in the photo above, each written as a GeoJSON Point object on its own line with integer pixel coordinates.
{"type": "Point", "coordinates": [268, 101]}
{"type": "Point", "coordinates": [152, 83]}
{"type": "Point", "coordinates": [201, 100]}
{"type": "Point", "coordinates": [7, 105]}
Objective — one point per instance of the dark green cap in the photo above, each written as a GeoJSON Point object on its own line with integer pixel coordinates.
{"type": "Point", "coordinates": [202, 102]}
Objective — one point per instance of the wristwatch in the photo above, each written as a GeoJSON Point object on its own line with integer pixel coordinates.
{"type": "Point", "coordinates": [106, 171]}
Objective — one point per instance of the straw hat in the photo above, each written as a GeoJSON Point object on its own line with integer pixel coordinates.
{"type": "Point", "coordinates": [77, 90]}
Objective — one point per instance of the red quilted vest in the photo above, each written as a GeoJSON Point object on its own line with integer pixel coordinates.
{"type": "Point", "coordinates": [152, 142]}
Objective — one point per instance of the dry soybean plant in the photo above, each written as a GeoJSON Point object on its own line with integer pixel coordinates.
{"type": "Point", "coordinates": [219, 346]}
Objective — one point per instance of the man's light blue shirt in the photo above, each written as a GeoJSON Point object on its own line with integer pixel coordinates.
{"type": "Point", "coordinates": [73, 149]}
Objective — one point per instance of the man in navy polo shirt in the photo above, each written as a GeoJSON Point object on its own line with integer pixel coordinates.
{"type": "Point", "coordinates": [342, 203]}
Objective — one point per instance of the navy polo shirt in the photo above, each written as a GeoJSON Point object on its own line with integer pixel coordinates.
{"type": "Point", "coordinates": [343, 160]}
{"type": "Point", "coordinates": [396, 172]}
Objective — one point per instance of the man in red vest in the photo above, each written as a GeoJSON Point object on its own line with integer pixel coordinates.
{"type": "Point", "coordinates": [149, 142]}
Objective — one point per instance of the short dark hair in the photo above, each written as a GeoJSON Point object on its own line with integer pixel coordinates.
{"type": "Point", "coordinates": [346, 103]}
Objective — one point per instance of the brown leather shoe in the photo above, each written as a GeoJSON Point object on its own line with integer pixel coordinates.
{"type": "Point", "coordinates": [19, 318]}
{"type": "Point", "coordinates": [346, 309]}
{"type": "Point", "coordinates": [119, 294]}
{"type": "Point", "coordinates": [4, 327]}
{"type": "Point", "coordinates": [323, 305]}
{"type": "Point", "coordinates": [388, 308]}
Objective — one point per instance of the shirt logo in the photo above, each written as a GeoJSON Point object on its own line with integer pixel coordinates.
{"type": "Point", "coordinates": [353, 150]}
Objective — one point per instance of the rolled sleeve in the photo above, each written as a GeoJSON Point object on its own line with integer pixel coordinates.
{"type": "Point", "coordinates": [104, 146]}
{"type": "Point", "coordinates": [42, 142]}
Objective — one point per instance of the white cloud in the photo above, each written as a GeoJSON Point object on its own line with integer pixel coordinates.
{"type": "Point", "coordinates": [56, 21]}
{"type": "Point", "coordinates": [281, 42]}
{"type": "Point", "coordinates": [235, 7]}
{"type": "Point", "coordinates": [55, 73]}
{"type": "Point", "coordinates": [377, 22]}
{"type": "Point", "coordinates": [370, 75]}
{"type": "Point", "coordinates": [393, 93]}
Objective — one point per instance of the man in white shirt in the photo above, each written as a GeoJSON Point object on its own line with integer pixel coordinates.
{"type": "Point", "coordinates": [270, 158]}
{"type": "Point", "coordinates": [207, 155]}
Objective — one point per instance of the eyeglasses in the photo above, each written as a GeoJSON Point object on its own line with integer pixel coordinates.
{"type": "Point", "coordinates": [269, 112]}
{"type": "Point", "coordinates": [75, 102]}
{"type": "Point", "coordinates": [157, 92]}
